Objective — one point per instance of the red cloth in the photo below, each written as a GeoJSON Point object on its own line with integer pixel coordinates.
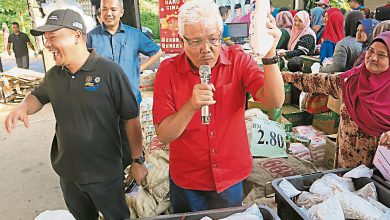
{"type": "Point", "coordinates": [293, 12]}
{"type": "Point", "coordinates": [366, 96]}
{"type": "Point", "coordinates": [334, 29]}
{"type": "Point", "coordinates": [332, 10]}
{"type": "Point", "coordinates": [215, 156]}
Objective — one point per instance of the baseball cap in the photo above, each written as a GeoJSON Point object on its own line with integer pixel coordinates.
{"type": "Point", "coordinates": [323, 2]}
{"type": "Point", "coordinates": [382, 13]}
{"type": "Point", "coordinates": [62, 18]}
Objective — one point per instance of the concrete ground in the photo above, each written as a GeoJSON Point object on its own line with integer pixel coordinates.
{"type": "Point", "coordinates": [28, 183]}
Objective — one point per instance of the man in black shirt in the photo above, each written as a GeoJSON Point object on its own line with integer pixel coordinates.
{"type": "Point", "coordinates": [89, 94]}
{"type": "Point", "coordinates": [19, 41]}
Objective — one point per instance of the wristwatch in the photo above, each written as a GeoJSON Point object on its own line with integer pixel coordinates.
{"type": "Point", "coordinates": [140, 160]}
{"type": "Point", "coordinates": [269, 61]}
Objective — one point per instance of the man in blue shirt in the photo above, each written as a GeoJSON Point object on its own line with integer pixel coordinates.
{"type": "Point", "coordinates": [122, 44]}
{"type": "Point", "coordinates": [356, 5]}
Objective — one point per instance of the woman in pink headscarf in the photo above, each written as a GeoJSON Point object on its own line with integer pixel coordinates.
{"type": "Point", "coordinates": [284, 21]}
{"type": "Point", "coordinates": [365, 105]}
{"type": "Point", "coordinates": [302, 41]}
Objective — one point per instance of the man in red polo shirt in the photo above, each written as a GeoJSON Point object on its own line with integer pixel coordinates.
{"type": "Point", "coordinates": [208, 162]}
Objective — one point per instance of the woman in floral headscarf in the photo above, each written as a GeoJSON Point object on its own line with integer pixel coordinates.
{"type": "Point", "coordinates": [365, 106]}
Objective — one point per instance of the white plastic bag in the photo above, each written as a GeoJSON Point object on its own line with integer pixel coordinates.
{"type": "Point", "coordinates": [355, 207]}
{"type": "Point", "coordinates": [324, 185]}
{"type": "Point", "coordinates": [367, 192]}
{"type": "Point", "coordinates": [308, 199]}
{"type": "Point", "coordinates": [251, 213]}
{"type": "Point", "coordinates": [55, 215]}
{"type": "Point", "coordinates": [330, 209]}
{"type": "Point", "coordinates": [360, 171]}
{"type": "Point", "coordinates": [288, 188]}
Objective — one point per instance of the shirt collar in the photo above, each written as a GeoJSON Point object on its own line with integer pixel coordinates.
{"type": "Point", "coordinates": [222, 59]}
{"type": "Point", "coordinates": [121, 27]}
{"type": "Point", "coordinates": [91, 62]}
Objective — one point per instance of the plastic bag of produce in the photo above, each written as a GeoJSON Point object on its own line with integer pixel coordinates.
{"type": "Point", "coordinates": [308, 199]}
{"type": "Point", "coordinates": [324, 185]}
{"type": "Point", "coordinates": [330, 209]}
{"type": "Point", "coordinates": [251, 213]}
{"type": "Point", "coordinates": [367, 192]}
{"type": "Point", "coordinates": [355, 207]}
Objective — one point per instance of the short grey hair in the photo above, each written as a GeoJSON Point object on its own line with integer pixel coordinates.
{"type": "Point", "coordinates": [199, 11]}
{"type": "Point", "coordinates": [120, 2]}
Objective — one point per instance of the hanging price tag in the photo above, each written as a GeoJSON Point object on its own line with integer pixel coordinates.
{"type": "Point", "coordinates": [268, 139]}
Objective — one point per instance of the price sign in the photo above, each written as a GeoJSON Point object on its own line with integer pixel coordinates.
{"type": "Point", "coordinates": [268, 139]}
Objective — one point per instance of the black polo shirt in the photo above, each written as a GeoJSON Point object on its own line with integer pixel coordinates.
{"type": "Point", "coordinates": [87, 106]}
{"type": "Point", "coordinates": [19, 44]}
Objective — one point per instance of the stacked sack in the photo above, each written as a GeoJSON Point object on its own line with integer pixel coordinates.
{"type": "Point", "coordinates": [147, 80]}
{"type": "Point", "coordinates": [146, 117]}
{"type": "Point", "coordinates": [153, 199]}
{"type": "Point", "coordinates": [317, 141]}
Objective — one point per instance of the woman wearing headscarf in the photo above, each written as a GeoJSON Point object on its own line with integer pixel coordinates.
{"type": "Point", "coordinates": [365, 106]}
{"type": "Point", "coordinates": [348, 49]}
{"type": "Point", "coordinates": [316, 22]}
{"type": "Point", "coordinates": [366, 12]}
{"type": "Point", "coordinates": [302, 41]}
{"type": "Point", "coordinates": [381, 27]}
{"type": "Point", "coordinates": [284, 21]}
{"type": "Point", "coordinates": [333, 33]}
{"type": "Point", "coordinates": [364, 35]}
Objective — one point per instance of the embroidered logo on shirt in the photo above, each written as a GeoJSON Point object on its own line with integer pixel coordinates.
{"type": "Point", "coordinates": [92, 84]}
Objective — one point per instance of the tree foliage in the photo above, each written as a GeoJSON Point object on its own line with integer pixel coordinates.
{"type": "Point", "coordinates": [15, 10]}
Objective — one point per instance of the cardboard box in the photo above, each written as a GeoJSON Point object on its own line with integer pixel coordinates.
{"type": "Point", "coordinates": [331, 149]}
{"type": "Point", "coordinates": [327, 122]}
{"type": "Point", "coordinates": [253, 104]}
{"type": "Point", "coordinates": [381, 161]}
{"type": "Point", "coordinates": [308, 61]}
{"type": "Point", "coordinates": [274, 114]}
{"type": "Point", "coordinates": [287, 94]}
{"type": "Point", "coordinates": [296, 116]}
{"type": "Point", "coordinates": [334, 104]}
{"type": "Point", "coordinates": [287, 125]}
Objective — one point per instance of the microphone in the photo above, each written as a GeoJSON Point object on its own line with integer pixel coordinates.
{"type": "Point", "coordinates": [205, 74]}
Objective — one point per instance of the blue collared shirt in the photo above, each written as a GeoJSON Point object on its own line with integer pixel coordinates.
{"type": "Point", "coordinates": [358, 8]}
{"type": "Point", "coordinates": [123, 48]}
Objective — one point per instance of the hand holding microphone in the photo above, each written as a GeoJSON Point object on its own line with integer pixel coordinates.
{"type": "Point", "coordinates": [202, 94]}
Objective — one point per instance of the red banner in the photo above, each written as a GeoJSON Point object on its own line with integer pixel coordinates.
{"type": "Point", "coordinates": [169, 10]}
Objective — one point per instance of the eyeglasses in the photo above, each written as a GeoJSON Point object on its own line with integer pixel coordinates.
{"type": "Point", "coordinates": [215, 41]}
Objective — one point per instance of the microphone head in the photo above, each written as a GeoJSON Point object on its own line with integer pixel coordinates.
{"type": "Point", "coordinates": [204, 70]}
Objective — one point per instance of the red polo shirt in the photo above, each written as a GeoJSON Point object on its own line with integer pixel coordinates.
{"type": "Point", "coordinates": [215, 156]}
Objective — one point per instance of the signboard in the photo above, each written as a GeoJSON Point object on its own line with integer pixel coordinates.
{"type": "Point", "coordinates": [268, 139]}
{"type": "Point", "coordinates": [169, 10]}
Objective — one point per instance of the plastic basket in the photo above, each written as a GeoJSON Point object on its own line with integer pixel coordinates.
{"type": "Point", "coordinates": [287, 209]}
{"type": "Point", "coordinates": [268, 214]}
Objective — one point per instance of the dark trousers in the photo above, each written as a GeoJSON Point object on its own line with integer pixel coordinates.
{"type": "Point", "coordinates": [22, 62]}
{"type": "Point", "coordinates": [84, 201]}
{"type": "Point", "coordinates": [185, 200]}
{"type": "Point", "coordinates": [126, 154]}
